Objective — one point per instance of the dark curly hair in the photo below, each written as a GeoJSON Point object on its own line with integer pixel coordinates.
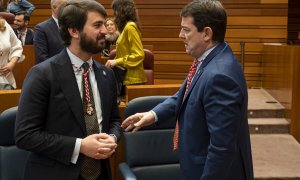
{"type": "Point", "coordinates": [124, 11]}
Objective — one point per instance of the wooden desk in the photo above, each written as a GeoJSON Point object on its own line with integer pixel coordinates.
{"type": "Point", "coordinates": [9, 98]}
{"type": "Point", "coordinates": [22, 68]}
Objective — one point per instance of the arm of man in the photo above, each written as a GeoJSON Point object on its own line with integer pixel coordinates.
{"type": "Point", "coordinates": [40, 44]}
{"type": "Point", "coordinates": [222, 103]}
{"type": "Point", "coordinates": [163, 110]}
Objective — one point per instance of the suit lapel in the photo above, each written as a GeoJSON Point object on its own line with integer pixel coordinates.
{"type": "Point", "coordinates": [28, 37]}
{"type": "Point", "coordinates": [67, 81]}
{"type": "Point", "coordinates": [102, 78]}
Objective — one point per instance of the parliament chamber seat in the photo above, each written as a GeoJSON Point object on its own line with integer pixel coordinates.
{"type": "Point", "coordinates": [149, 152]}
{"type": "Point", "coordinates": [12, 159]}
{"type": "Point", "coordinates": [9, 17]}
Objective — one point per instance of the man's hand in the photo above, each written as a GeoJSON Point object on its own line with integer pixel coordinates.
{"type": "Point", "coordinates": [98, 146]}
{"type": "Point", "coordinates": [137, 121]}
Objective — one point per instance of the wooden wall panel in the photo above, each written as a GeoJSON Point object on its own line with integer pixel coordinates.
{"type": "Point", "coordinates": [253, 22]}
{"type": "Point", "coordinates": [280, 69]}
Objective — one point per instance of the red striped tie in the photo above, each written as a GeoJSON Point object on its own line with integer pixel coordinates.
{"type": "Point", "coordinates": [192, 72]}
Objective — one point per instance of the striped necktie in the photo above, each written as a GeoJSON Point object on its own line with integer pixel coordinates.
{"type": "Point", "coordinates": [91, 168]}
{"type": "Point", "coordinates": [191, 74]}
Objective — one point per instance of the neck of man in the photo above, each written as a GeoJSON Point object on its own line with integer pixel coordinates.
{"type": "Point", "coordinates": [23, 29]}
{"type": "Point", "coordinates": [77, 51]}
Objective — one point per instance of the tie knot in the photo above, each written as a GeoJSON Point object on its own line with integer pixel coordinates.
{"type": "Point", "coordinates": [85, 66]}
{"type": "Point", "coordinates": [195, 64]}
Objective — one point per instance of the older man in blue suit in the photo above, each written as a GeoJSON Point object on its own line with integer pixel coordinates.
{"type": "Point", "coordinates": [47, 41]}
{"type": "Point", "coordinates": [211, 106]}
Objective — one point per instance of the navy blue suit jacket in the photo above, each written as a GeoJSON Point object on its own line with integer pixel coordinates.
{"type": "Point", "coordinates": [214, 141]}
{"type": "Point", "coordinates": [28, 38]}
{"type": "Point", "coordinates": [50, 117]}
{"type": "Point", "coordinates": [47, 41]}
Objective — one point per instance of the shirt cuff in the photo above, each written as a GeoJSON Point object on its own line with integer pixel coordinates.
{"type": "Point", "coordinates": [155, 116]}
{"type": "Point", "coordinates": [76, 151]}
{"type": "Point", "coordinates": [115, 137]}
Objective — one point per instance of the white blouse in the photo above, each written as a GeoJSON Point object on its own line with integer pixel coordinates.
{"type": "Point", "coordinates": [10, 46]}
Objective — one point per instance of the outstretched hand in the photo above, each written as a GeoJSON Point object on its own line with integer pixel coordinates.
{"type": "Point", "coordinates": [137, 121]}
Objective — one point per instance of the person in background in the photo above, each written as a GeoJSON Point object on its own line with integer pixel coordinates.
{"type": "Point", "coordinates": [129, 49]}
{"type": "Point", "coordinates": [10, 53]}
{"type": "Point", "coordinates": [111, 36]}
{"type": "Point", "coordinates": [68, 114]}
{"type": "Point", "coordinates": [212, 133]}
{"type": "Point", "coordinates": [47, 41]}
{"type": "Point", "coordinates": [1, 6]}
{"type": "Point", "coordinates": [24, 33]}
{"type": "Point", "coordinates": [16, 6]}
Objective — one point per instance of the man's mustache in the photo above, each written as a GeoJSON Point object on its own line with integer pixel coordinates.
{"type": "Point", "coordinates": [100, 36]}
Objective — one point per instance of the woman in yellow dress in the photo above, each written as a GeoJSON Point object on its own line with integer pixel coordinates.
{"type": "Point", "coordinates": [129, 49]}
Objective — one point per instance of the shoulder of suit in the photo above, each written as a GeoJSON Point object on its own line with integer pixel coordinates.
{"type": "Point", "coordinates": [45, 23]}
{"type": "Point", "coordinates": [29, 30]}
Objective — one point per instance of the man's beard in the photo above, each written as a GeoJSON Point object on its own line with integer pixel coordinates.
{"type": "Point", "coordinates": [89, 45]}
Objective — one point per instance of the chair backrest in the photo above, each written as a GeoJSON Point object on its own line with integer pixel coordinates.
{"type": "Point", "coordinates": [149, 152]}
{"type": "Point", "coordinates": [9, 17]}
{"type": "Point", "coordinates": [148, 64]}
{"type": "Point", "coordinates": [12, 159]}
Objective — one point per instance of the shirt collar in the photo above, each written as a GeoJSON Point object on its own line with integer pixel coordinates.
{"type": "Point", "coordinates": [206, 53]}
{"type": "Point", "coordinates": [77, 62]}
{"type": "Point", "coordinates": [56, 20]}
{"type": "Point", "coordinates": [24, 32]}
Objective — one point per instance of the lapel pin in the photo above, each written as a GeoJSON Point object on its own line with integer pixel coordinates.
{"type": "Point", "coordinates": [104, 73]}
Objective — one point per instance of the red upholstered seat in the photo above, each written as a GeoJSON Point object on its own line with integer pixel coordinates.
{"type": "Point", "coordinates": [148, 64]}
{"type": "Point", "coordinates": [9, 17]}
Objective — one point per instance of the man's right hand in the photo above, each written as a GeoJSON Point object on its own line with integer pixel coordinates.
{"type": "Point", "coordinates": [137, 121]}
{"type": "Point", "coordinates": [98, 146]}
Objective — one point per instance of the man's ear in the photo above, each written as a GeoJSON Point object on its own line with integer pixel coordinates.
{"type": "Point", "coordinates": [73, 32]}
{"type": "Point", "coordinates": [208, 33]}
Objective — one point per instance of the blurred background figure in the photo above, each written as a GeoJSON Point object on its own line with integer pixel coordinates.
{"type": "Point", "coordinates": [16, 6]}
{"type": "Point", "coordinates": [47, 41]}
{"type": "Point", "coordinates": [1, 5]}
{"type": "Point", "coordinates": [10, 53]}
{"type": "Point", "coordinates": [129, 49]}
{"type": "Point", "coordinates": [24, 33]}
{"type": "Point", "coordinates": [111, 36]}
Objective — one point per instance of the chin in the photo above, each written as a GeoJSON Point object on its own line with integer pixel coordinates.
{"type": "Point", "coordinates": [188, 51]}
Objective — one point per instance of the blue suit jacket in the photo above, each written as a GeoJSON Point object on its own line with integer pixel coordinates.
{"type": "Point", "coordinates": [50, 117]}
{"type": "Point", "coordinates": [47, 41]}
{"type": "Point", "coordinates": [214, 141]}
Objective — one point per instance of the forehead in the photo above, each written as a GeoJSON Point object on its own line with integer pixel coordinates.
{"type": "Point", "coordinates": [187, 21]}
{"type": "Point", "coordinates": [109, 22]}
{"type": "Point", "coordinates": [19, 16]}
{"type": "Point", "coordinates": [94, 16]}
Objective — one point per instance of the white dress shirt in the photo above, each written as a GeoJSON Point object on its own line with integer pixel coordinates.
{"type": "Point", "coordinates": [77, 63]}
